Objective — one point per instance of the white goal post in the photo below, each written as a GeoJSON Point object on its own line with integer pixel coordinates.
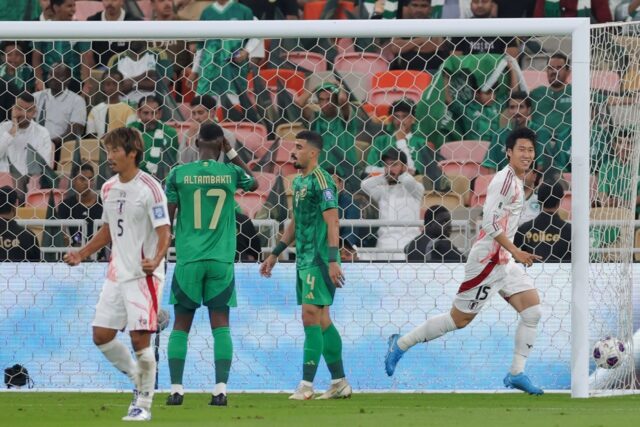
{"type": "Point", "coordinates": [578, 29]}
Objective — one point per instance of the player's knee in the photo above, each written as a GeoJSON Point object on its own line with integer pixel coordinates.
{"type": "Point", "coordinates": [531, 316]}
{"type": "Point", "coordinates": [462, 322]}
{"type": "Point", "coordinates": [102, 337]}
{"type": "Point", "coordinates": [140, 341]}
{"type": "Point", "coordinates": [311, 315]}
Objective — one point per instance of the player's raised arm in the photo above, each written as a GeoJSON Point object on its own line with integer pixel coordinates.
{"type": "Point", "coordinates": [99, 240]}
{"type": "Point", "coordinates": [285, 241]}
{"type": "Point", "coordinates": [232, 155]}
{"type": "Point", "coordinates": [330, 216]}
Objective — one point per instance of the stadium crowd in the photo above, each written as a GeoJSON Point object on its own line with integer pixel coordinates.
{"type": "Point", "coordinates": [398, 151]}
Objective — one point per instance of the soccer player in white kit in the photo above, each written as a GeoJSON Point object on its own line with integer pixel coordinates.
{"type": "Point", "coordinates": [137, 226]}
{"type": "Point", "coordinates": [491, 268]}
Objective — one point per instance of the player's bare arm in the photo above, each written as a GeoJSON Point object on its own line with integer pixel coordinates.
{"type": "Point", "coordinates": [172, 208]}
{"type": "Point", "coordinates": [164, 240]}
{"type": "Point", "coordinates": [286, 240]}
{"type": "Point", "coordinates": [330, 216]}
{"type": "Point", "coordinates": [99, 240]}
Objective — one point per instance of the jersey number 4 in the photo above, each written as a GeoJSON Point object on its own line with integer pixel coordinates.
{"type": "Point", "coordinates": [197, 207]}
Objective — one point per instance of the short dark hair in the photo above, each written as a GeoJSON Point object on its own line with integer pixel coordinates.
{"type": "Point", "coordinates": [313, 138]}
{"type": "Point", "coordinates": [521, 133]}
{"type": "Point", "coordinates": [207, 101]}
{"type": "Point", "coordinates": [394, 155]}
{"type": "Point", "coordinates": [210, 132]}
{"type": "Point", "coordinates": [560, 55]}
{"type": "Point", "coordinates": [402, 106]}
{"type": "Point", "coordinates": [437, 221]}
{"type": "Point", "coordinates": [26, 97]}
{"type": "Point", "coordinates": [550, 195]}
{"type": "Point", "coordinates": [87, 167]}
{"type": "Point", "coordinates": [128, 138]}
{"type": "Point", "coordinates": [522, 96]}
{"type": "Point", "coordinates": [8, 199]}
{"type": "Point", "coordinates": [149, 98]}
{"type": "Point", "coordinates": [19, 44]}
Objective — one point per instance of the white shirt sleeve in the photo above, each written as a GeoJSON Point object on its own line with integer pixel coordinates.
{"type": "Point", "coordinates": [92, 127]}
{"type": "Point", "coordinates": [43, 145]}
{"type": "Point", "coordinates": [374, 186]}
{"type": "Point", "coordinates": [156, 204]}
{"type": "Point", "coordinates": [415, 188]}
{"type": "Point", "coordinates": [79, 111]}
{"type": "Point", "coordinates": [493, 212]}
{"type": "Point", "coordinates": [5, 140]}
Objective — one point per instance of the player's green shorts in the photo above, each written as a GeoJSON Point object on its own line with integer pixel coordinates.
{"type": "Point", "coordinates": [209, 283]}
{"type": "Point", "coordinates": [314, 286]}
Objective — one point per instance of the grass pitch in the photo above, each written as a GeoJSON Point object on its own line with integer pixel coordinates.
{"type": "Point", "coordinates": [396, 410]}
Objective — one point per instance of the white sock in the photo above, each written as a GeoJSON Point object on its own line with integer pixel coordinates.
{"type": "Point", "coordinates": [336, 381]}
{"type": "Point", "coordinates": [220, 388]}
{"type": "Point", "coordinates": [118, 354]}
{"type": "Point", "coordinates": [433, 328]}
{"type": "Point", "coordinates": [177, 388]}
{"type": "Point", "coordinates": [526, 333]}
{"type": "Point", "coordinates": [306, 383]}
{"type": "Point", "coordinates": [147, 368]}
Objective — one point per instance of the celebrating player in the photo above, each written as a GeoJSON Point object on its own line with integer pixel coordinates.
{"type": "Point", "coordinates": [137, 226]}
{"type": "Point", "coordinates": [315, 225]}
{"type": "Point", "coordinates": [202, 192]}
{"type": "Point", "coordinates": [491, 267]}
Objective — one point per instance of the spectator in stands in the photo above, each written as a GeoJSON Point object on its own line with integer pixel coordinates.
{"type": "Point", "coordinates": [7, 99]}
{"type": "Point", "coordinates": [16, 242]}
{"type": "Point", "coordinates": [267, 9]}
{"type": "Point", "coordinates": [399, 198]}
{"type": "Point", "coordinates": [484, 9]}
{"type": "Point", "coordinates": [348, 210]}
{"type": "Point", "coordinates": [190, 10]}
{"type": "Point", "coordinates": [531, 203]}
{"type": "Point", "coordinates": [47, 11]}
{"type": "Point", "coordinates": [248, 246]}
{"type": "Point", "coordinates": [15, 69]}
{"type": "Point", "coordinates": [434, 244]}
{"type": "Point", "coordinates": [112, 113]}
{"type": "Point", "coordinates": [614, 182]}
{"type": "Point", "coordinates": [177, 51]}
{"type": "Point", "coordinates": [598, 9]}
{"type": "Point", "coordinates": [552, 104]}
{"type": "Point", "coordinates": [61, 111]}
{"type": "Point", "coordinates": [222, 66]}
{"type": "Point", "coordinates": [103, 50]}
{"type": "Point", "coordinates": [81, 202]}
{"type": "Point", "coordinates": [515, 9]}
{"type": "Point", "coordinates": [480, 118]}
{"type": "Point", "coordinates": [203, 110]}
{"type": "Point", "coordinates": [548, 235]}
{"type": "Point", "coordinates": [19, 10]}
{"type": "Point", "coordinates": [332, 116]}
{"type": "Point", "coordinates": [519, 115]}
{"type": "Point", "coordinates": [160, 139]}
{"type": "Point", "coordinates": [145, 71]}
{"type": "Point", "coordinates": [400, 133]}
{"type": "Point", "coordinates": [25, 146]}
{"type": "Point", "coordinates": [418, 53]}
{"type": "Point", "coordinates": [348, 252]}
{"type": "Point", "coordinates": [76, 55]}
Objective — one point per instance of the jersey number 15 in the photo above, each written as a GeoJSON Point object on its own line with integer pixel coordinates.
{"type": "Point", "coordinates": [197, 207]}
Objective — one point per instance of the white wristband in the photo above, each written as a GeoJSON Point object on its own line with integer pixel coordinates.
{"type": "Point", "coordinates": [232, 154]}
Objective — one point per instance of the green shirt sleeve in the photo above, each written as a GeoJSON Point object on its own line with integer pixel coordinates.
{"type": "Point", "coordinates": [245, 181]}
{"type": "Point", "coordinates": [326, 191]}
{"type": "Point", "coordinates": [171, 189]}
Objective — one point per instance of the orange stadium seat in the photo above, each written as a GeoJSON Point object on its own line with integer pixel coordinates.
{"type": "Point", "coordinates": [311, 61]}
{"type": "Point", "coordinates": [252, 135]}
{"type": "Point", "coordinates": [360, 62]}
{"type": "Point", "coordinates": [85, 9]}
{"type": "Point", "coordinates": [409, 79]}
{"type": "Point", "coordinates": [292, 80]}
{"type": "Point", "coordinates": [387, 96]}
{"type": "Point", "coordinates": [313, 9]}
{"type": "Point", "coordinates": [479, 193]}
{"type": "Point", "coordinates": [40, 198]}
{"type": "Point", "coordinates": [7, 180]}
{"type": "Point", "coordinates": [250, 203]}
{"type": "Point", "coordinates": [465, 150]}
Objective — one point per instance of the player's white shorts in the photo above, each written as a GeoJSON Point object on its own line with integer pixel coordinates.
{"type": "Point", "coordinates": [132, 304]}
{"type": "Point", "coordinates": [483, 281]}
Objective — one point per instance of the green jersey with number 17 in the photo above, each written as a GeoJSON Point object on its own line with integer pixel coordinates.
{"type": "Point", "coordinates": [312, 195]}
{"type": "Point", "coordinates": [206, 219]}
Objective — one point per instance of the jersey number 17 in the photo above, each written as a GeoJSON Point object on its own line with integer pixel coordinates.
{"type": "Point", "coordinates": [197, 207]}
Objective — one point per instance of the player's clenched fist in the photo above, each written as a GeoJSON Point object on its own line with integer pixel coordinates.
{"type": "Point", "coordinates": [72, 258]}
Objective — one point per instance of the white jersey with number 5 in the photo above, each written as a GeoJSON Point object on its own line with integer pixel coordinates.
{"type": "Point", "coordinates": [500, 214]}
{"type": "Point", "coordinates": [133, 211]}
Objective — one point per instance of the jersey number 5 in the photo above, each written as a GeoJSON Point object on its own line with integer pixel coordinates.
{"type": "Point", "coordinates": [197, 207]}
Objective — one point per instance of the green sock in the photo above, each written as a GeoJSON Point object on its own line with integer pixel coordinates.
{"type": "Point", "coordinates": [332, 352]}
{"type": "Point", "coordinates": [222, 353]}
{"type": "Point", "coordinates": [312, 351]}
{"type": "Point", "coordinates": [177, 353]}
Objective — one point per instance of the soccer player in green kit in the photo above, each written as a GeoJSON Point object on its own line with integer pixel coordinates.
{"type": "Point", "coordinates": [203, 194]}
{"type": "Point", "coordinates": [315, 226]}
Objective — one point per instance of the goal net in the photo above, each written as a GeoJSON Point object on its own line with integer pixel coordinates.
{"type": "Point", "coordinates": [413, 122]}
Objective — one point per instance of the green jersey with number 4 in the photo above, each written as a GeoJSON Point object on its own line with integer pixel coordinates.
{"type": "Point", "coordinates": [206, 218]}
{"type": "Point", "coordinates": [312, 195]}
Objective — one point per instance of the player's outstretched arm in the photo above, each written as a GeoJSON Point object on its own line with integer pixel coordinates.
{"type": "Point", "coordinates": [285, 241]}
{"type": "Point", "coordinates": [164, 240]}
{"type": "Point", "coordinates": [97, 242]}
{"type": "Point", "coordinates": [330, 216]}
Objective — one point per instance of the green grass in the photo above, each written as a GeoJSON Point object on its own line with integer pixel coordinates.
{"type": "Point", "coordinates": [396, 410]}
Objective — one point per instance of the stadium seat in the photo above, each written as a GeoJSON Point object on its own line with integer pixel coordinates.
{"type": "Point", "coordinates": [283, 161]}
{"type": "Point", "coordinates": [311, 61]}
{"type": "Point", "coordinates": [535, 78]}
{"type": "Point", "coordinates": [292, 80]}
{"type": "Point", "coordinates": [460, 186]}
{"type": "Point", "coordinates": [251, 135]}
{"type": "Point", "coordinates": [465, 150]}
{"type": "Point", "coordinates": [288, 190]}
{"type": "Point", "coordinates": [266, 181]}
{"type": "Point", "coordinates": [605, 80]}
{"type": "Point", "coordinates": [289, 130]}
{"type": "Point", "coordinates": [85, 9]}
{"type": "Point", "coordinates": [40, 198]}
{"type": "Point", "coordinates": [30, 212]}
{"type": "Point", "coordinates": [450, 200]}
{"type": "Point", "coordinates": [479, 193]}
{"type": "Point", "coordinates": [313, 9]}
{"type": "Point", "coordinates": [7, 180]}
{"type": "Point", "coordinates": [362, 149]}
{"type": "Point", "coordinates": [360, 62]}
{"type": "Point", "coordinates": [147, 9]}
{"type": "Point", "coordinates": [408, 79]}
{"type": "Point", "coordinates": [387, 96]}
{"type": "Point", "coordinates": [250, 203]}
